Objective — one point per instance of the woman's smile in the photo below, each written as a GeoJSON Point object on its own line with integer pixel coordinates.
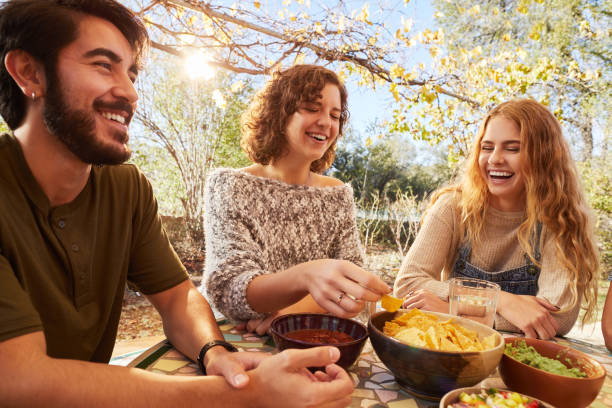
{"type": "Point", "coordinates": [500, 164]}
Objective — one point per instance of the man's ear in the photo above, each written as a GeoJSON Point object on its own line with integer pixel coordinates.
{"type": "Point", "coordinates": [27, 72]}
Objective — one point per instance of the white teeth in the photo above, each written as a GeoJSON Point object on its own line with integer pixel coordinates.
{"type": "Point", "coordinates": [500, 173]}
{"type": "Point", "coordinates": [318, 137]}
{"type": "Point", "coordinates": [113, 116]}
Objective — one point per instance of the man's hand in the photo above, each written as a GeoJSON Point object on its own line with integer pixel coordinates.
{"type": "Point", "coordinates": [284, 377]}
{"type": "Point", "coordinates": [232, 366]}
{"type": "Point", "coordinates": [532, 315]}
{"type": "Point", "coordinates": [425, 300]}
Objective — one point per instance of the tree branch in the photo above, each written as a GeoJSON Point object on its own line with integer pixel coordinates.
{"type": "Point", "coordinates": [329, 55]}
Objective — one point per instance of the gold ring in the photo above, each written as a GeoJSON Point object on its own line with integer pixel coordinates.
{"type": "Point", "coordinates": [340, 296]}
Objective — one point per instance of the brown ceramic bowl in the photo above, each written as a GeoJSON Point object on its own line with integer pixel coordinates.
{"type": "Point", "coordinates": [429, 373]}
{"type": "Point", "coordinates": [453, 396]}
{"type": "Point", "coordinates": [349, 350]}
{"type": "Point", "coordinates": [558, 390]}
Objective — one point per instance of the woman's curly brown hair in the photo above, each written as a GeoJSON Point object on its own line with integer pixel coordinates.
{"type": "Point", "coordinates": [265, 121]}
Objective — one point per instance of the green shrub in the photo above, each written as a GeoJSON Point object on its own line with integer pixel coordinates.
{"type": "Point", "coordinates": [596, 177]}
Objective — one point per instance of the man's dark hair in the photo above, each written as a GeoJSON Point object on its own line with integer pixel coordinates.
{"type": "Point", "coordinates": [42, 28]}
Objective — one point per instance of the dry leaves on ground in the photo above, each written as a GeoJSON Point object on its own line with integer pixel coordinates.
{"type": "Point", "coordinates": [138, 318]}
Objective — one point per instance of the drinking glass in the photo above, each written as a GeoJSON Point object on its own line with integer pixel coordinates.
{"type": "Point", "coordinates": [475, 299]}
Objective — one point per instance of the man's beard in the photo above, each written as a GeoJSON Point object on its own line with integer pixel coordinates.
{"type": "Point", "coordinates": [77, 128]}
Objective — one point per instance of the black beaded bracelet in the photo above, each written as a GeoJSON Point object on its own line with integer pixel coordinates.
{"type": "Point", "coordinates": [208, 346]}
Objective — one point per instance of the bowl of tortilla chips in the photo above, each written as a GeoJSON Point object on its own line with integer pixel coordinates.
{"type": "Point", "coordinates": [432, 353]}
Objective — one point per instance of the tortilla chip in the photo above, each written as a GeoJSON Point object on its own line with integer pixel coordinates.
{"type": "Point", "coordinates": [447, 345]}
{"type": "Point", "coordinates": [432, 338]}
{"type": "Point", "coordinates": [488, 342]}
{"type": "Point", "coordinates": [390, 303]}
{"type": "Point", "coordinates": [426, 330]}
{"type": "Point", "coordinates": [412, 336]}
{"type": "Point", "coordinates": [391, 328]}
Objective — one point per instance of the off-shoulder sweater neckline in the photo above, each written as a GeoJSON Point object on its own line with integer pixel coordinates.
{"type": "Point", "coordinates": [265, 181]}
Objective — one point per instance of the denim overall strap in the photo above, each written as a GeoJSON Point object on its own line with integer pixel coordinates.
{"type": "Point", "coordinates": [522, 280]}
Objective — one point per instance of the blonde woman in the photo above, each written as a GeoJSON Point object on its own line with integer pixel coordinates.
{"type": "Point", "coordinates": [518, 218]}
{"type": "Point", "coordinates": [280, 236]}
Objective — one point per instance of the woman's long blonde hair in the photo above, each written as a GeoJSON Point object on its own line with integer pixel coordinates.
{"type": "Point", "coordinates": [553, 191]}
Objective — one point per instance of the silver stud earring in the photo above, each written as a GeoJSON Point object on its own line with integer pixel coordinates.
{"type": "Point", "coordinates": [34, 95]}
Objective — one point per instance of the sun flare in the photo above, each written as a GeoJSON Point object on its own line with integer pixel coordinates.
{"type": "Point", "coordinates": [197, 66]}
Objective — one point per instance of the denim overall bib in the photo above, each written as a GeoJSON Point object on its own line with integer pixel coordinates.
{"type": "Point", "coordinates": [519, 281]}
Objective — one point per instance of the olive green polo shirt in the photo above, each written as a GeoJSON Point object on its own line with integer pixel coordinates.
{"type": "Point", "coordinates": [63, 270]}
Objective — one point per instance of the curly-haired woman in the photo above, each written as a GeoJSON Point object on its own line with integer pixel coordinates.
{"type": "Point", "coordinates": [518, 218]}
{"type": "Point", "coordinates": [280, 236]}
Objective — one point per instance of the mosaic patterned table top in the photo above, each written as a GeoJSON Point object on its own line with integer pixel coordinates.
{"type": "Point", "coordinates": [375, 386]}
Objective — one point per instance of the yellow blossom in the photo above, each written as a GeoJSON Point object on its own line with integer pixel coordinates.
{"type": "Point", "coordinates": [219, 99]}
{"type": "Point", "coordinates": [237, 86]}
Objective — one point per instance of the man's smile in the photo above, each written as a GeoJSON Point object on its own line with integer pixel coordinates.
{"type": "Point", "coordinates": [115, 116]}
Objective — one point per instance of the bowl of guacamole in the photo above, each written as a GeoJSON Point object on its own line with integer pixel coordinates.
{"type": "Point", "coordinates": [557, 374]}
{"type": "Point", "coordinates": [520, 351]}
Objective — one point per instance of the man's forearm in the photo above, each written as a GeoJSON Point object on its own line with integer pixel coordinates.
{"type": "Point", "coordinates": [30, 378]}
{"type": "Point", "coordinates": [74, 383]}
{"type": "Point", "coordinates": [188, 320]}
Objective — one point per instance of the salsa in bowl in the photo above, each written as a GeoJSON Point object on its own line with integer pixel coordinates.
{"type": "Point", "coordinates": [306, 330]}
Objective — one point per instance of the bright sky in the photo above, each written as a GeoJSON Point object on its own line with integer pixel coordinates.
{"type": "Point", "coordinates": [365, 105]}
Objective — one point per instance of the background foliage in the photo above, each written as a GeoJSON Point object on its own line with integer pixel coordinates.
{"type": "Point", "coordinates": [472, 55]}
{"type": "Point", "coordinates": [441, 77]}
{"type": "Point", "coordinates": [189, 126]}
{"type": "Point", "coordinates": [388, 165]}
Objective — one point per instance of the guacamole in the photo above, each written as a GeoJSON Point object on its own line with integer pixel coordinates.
{"type": "Point", "coordinates": [520, 351]}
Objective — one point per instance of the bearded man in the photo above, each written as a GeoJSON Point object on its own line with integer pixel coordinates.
{"type": "Point", "coordinates": [76, 224]}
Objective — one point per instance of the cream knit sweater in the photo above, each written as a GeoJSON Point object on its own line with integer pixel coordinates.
{"type": "Point", "coordinates": [257, 226]}
{"type": "Point", "coordinates": [435, 250]}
